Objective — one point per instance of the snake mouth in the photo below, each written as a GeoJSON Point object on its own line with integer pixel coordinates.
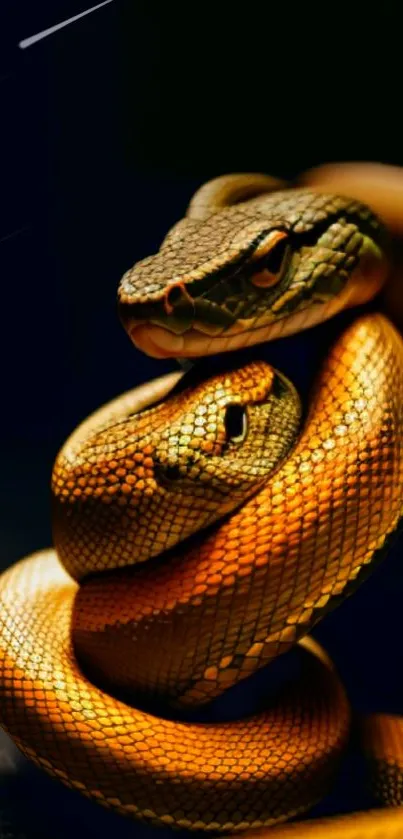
{"type": "Point", "coordinates": [159, 342]}
{"type": "Point", "coordinates": [195, 338]}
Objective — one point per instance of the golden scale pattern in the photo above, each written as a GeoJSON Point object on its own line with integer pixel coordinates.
{"type": "Point", "coordinates": [138, 485]}
{"type": "Point", "coordinates": [257, 583]}
{"type": "Point", "coordinates": [382, 744]}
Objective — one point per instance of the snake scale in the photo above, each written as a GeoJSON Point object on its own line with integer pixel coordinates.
{"type": "Point", "coordinates": [203, 523]}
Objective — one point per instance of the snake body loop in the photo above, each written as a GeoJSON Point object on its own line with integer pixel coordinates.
{"type": "Point", "coordinates": [136, 606]}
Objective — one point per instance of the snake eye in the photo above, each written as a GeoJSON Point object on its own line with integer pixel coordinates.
{"type": "Point", "coordinates": [167, 473]}
{"type": "Point", "coordinates": [236, 423]}
{"type": "Point", "coordinates": [172, 473]}
{"type": "Point", "coordinates": [271, 256]}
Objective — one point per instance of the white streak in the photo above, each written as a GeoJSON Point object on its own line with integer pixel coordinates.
{"type": "Point", "coordinates": [33, 39]}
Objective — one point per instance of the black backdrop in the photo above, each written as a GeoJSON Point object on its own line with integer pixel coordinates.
{"type": "Point", "coordinates": [108, 126]}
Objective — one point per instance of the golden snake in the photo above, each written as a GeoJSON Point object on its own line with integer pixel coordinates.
{"type": "Point", "coordinates": [133, 610]}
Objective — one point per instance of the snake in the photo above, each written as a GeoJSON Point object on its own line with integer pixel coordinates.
{"type": "Point", "coordinates": [205, 521]}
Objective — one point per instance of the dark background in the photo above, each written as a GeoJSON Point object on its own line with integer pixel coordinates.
{"type": "Point", "coordinates": [107, 127]}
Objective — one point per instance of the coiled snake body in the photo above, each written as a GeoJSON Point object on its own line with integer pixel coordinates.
{"type": "Point", "coordinates": [132, 608]}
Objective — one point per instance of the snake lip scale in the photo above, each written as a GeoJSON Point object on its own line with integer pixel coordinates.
{"type": "Point", "coordinates": [202, 528]}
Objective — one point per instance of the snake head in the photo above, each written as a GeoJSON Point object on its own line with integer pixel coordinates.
{"type": "Point", "coordinates": [231, 432]}
{"type": "Point", "coordinates": [130, 489]}
{"type": "Point", "coordinates": [248, 273]}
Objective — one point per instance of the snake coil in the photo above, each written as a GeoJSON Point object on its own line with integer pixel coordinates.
{"type": "Point", "coordinates": [136, 606]}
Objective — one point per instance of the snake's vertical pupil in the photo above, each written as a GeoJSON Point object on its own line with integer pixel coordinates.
{"type": "Point", "coordinates": [274, 259]}
{"type": "Point", "coordinates": [236, 423]}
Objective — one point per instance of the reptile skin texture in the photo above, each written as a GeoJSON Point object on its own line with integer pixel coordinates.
{"type": "Point", "coordinates": [251, 272]}
{"type": "Point", "coordinates": [202, 526]}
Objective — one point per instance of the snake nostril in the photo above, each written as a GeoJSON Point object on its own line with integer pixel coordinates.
{"type": "Point", "coordinates": [172, 297]}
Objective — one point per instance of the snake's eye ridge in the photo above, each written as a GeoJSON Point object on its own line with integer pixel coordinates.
{"type": "Point", "coordinates": [236, 423]}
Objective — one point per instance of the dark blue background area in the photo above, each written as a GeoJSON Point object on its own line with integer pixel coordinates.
{"type": "Point", "coordinates": [107, 128]}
